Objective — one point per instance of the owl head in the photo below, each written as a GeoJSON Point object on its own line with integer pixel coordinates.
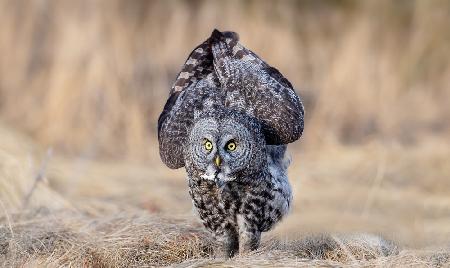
{"type": "Point", "coordinates": [224, 145]}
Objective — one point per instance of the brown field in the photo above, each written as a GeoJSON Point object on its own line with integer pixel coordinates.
{"type": "Point", "coordinates": [82, 84]}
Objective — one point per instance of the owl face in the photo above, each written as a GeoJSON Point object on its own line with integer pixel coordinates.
{"type": "Point", "coordinates": [224, 148]}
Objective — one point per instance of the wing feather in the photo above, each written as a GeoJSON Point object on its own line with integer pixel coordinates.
{"type": "Point", "coordinates": [266, 93]}
{"type": "Point", "coordinates": [192, 86]}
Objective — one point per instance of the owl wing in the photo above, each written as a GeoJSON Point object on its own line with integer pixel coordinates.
{"type": "Point", "coordinates": [220, 70]}
{"type": "Point", "coordinates": [194, 86]}
{"type": "Point", "coordinates": [254, 87]}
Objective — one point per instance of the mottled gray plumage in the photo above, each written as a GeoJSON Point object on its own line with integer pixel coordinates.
{"type": "Point", "coordinates": [228, 120]}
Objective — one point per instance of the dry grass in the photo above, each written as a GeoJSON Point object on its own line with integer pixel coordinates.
{"type": "Point", "coordinates": [119, 241]}
{"type": "Point", "coordinates": [142, 241]}
{"type": "Point", "coordinates": [82, 84]}
{"type": "Point", "coordinates": [96, 73]}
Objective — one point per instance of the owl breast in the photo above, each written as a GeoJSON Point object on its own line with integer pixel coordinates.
{"type": "Point", "coordinates": [261, 199]}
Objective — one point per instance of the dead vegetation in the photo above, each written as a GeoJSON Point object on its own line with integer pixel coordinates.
{"type": "Point", "coordinates": [142, 241]}
{"type": "Point", "coordinates": [120, 241]}
{"type": "Point", "coordinates": [130, 240]}
{"type": "Point", "coordinates": [100, 70]}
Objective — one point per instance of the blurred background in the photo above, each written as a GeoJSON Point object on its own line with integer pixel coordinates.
{"type": "Point", "coordinates": [82, 84]}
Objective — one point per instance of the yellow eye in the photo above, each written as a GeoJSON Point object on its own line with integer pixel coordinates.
{"type": "Point", "coordinates": [231, 146]}
{"type": "Point", "coordinates": [208, 145]}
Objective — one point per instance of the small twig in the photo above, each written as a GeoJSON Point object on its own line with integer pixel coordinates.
{"type": "Point", "coordinates": [39, 177]}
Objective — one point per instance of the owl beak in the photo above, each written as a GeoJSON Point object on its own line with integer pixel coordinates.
{"type": "Point", "coordinates": [217, 161]}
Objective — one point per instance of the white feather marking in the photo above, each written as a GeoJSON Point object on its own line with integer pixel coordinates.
{"type": "Point", "coordinates": [191, 61]}
{"type": "Point", "coordinates": [236, 49]}
{"type": "Point", "coordinates": [248, 57]}
{"type": "Point", "coordinates": [210, 177]}
{"type": "Point", "coordinates": [185, 75]}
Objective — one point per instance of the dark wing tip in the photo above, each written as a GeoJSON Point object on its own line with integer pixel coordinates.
{"type": "Point", "coordinates": [217, 35]}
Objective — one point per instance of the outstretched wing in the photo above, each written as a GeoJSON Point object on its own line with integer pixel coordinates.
{"type": "Point", "coordinates": [220, 70]}
{"type": "Point", "coordinates": [254, 87]}
{"type": "Point", "coordinates": [189, 93]}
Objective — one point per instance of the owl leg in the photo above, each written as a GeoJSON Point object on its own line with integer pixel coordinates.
{"type": "Point", "coordinates": [249, 235]}
{"type": "Point", "coordinates": [230, 242]}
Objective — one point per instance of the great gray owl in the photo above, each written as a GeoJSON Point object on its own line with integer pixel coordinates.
{"type": "Point", "coordinates": [228, 119]}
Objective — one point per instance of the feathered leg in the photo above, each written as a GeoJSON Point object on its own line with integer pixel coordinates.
{"type": "Point", "coordinates": [230, 243]}
{"type": "Point", "coordinates": [249, 235]}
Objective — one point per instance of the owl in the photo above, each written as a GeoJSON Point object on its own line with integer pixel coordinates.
{"type": "Point", "coordinates": [228, 120]}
